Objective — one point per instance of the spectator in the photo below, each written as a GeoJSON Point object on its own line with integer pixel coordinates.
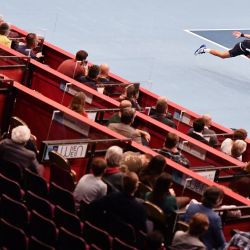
{"type": "Point", "coordinates": [75, 68]}
{"type": "Point", "coordinates": [31, 42]}
{"type": "Point", "coordinates": [131, 94]}
{"type": "Point", "coordinates": [227, 144]}
{"type": "Point", "coordinates": [78, 103]}
{"type": "Point", "coordinates": [154, 169]}
{"type": "Point", "coordinates": [161, 195]}
{"type": "Point", "coordinates": [4, 32]}
{"type": "Point", "coordinates": [154, 241]}
{"type": "Point", "coordinates": [91, 78]}
{"type": "Point", "coordinates": [241, 240]}
{"type": "Point", "coordinates": [213, 141]}
{"type": "Point", "coordinates": [190, 240]}
{"type": "Point", "coordinates": [113, 175]}
{"type": "Point", "coordinates": [197, 131]}
{"type": "Point", "coordinates": [212, 198]}
{"type": "Point", "coordinates": [171, 151]}
{"type": "Point", "coordinates": [238, 148]}
{"type": "Point", "coordinates": [161, 112]}
{"type": "Point", "coordinates": [241, 182]}
{"type": "Point", "coordinates": [125, 129]}
{"type": "Point", "coordinates": [116, 118]}
{"type": "Point", "coordinates": [104, 73]}
{"type": "Point", "coordinates": [124, 204]}
{"type": "Point", "coordinates": [13, 150]}
{"type": "Point", "coordinates": [131, 161]}
{"type": "Point", "coordinates": [91, 187]}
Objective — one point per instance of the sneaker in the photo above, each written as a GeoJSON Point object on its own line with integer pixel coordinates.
{"type": "Point", "coordinates": [200, 50]}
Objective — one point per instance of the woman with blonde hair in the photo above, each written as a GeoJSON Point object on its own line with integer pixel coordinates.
{"type": "Point", "coordinates": [78, 104]}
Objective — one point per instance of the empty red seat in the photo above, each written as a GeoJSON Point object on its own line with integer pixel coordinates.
{"type": "Point", "coordinates": [39, 204]}
{"type": "Point", "coordinates": [62, 197]}
{"type": "Point", "coordinates": [11, 188]}
{"type": "Point", "coordinates": [68, 240]}
{"type": "Point", "coordinates": [67, 220]}
{"type": "Point", "coordinates": [12, 171]}
{"type": "Point", "coordinates": [14, 212]}
{"type": "Point", "coordinates": [11, 237]}
{"type": "Point", "coordinates": [97, 236]}
{"type": "Point", "coordinates": [35, 244]}
{"type": "Point", "coordinates": [120, 245]}
{"type": "Point", "coordinates": [43, 229]}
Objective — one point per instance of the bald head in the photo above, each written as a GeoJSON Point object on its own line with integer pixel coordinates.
{"type": "Point", "coordinates": [104, 69]}
{"type": "Point", "coordinates": [207, 120]}
{"type": "Point", "coordinates": [125, 104]}
{"type": "Point", "coordinates": [130, 183]}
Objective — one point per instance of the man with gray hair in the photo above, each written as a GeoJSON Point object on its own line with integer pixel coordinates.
{"type": "Point", "coordinates": [213, 141]}
{"type": "Point", "coordinates": [113, 175]}
{"type": "Point", "coordinates": [13, 150]}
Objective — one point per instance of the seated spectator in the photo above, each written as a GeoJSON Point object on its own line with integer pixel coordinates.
{"type": "Point", "coordinates": [154, 241]}
{"type": "Point", "coordinates": [124, 128]}
{"type": "Point", "coordinates": [241, 240]}
{"type": "Point", "coordinates": [197, 131]}
{"type": "Point", "coordinates": [91, 78]}
{"type": "Point", "coordinates": [78, 103]}
{"type": "Point", "coordinates": [132, 94]}
{"type": "Point", "coordinates": [212, 198]}
{"type": "Point", "coordinates": [171, 151]}
{"type": "Point", "coordinates": [161, 195]}
{"type": "Point", "coordinates": [198, 225]}
{"type": "Point", "coordinates": [116, 118]}
{"type": "Point", "coordinates": [131, 162]}
{"type": "Point", "coordinates": [213, 141]}
{"type": "Point", "coordinates": [104, 73]}
{"type": "Point", "coordinates": [238, 148]}
{"type": "Point", "coordinates": [4, 32]}
{"type": "Point", "coordinates": [124, 204]}
{"type": "Point", "coordinates": [75, 68]}
{"type": "Point", "coordinates": [13, 150]}
{"type": "Point", "coordinates": [239, 134]}
{"type": "Point", "coordinates": [241, 182]}
{"type": "Point", "coordinates": [161, 112]}
{"type": "Point", "coordinates": [91, 187]}
{"type": "Point", "coordinates": [31, 42]}
{"type": "Point", "coordinates": [154, 169]}
{"type": "Point", "coordinates": [113, 174]}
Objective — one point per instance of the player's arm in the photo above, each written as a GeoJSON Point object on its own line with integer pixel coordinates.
{"type": "Point", "coordinates": [238, 34]}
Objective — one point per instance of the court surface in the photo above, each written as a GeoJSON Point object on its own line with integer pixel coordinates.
{"type": "Point", "coordinates": [145, 41]}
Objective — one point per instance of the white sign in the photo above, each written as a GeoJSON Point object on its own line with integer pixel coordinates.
{"type": "Point", "coordinates": [193, 150]}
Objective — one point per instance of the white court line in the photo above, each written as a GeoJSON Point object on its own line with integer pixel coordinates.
{"type": "Point", "coordinates": [215, 29]}
{"type": "Point", "coordinates": [208, 40]}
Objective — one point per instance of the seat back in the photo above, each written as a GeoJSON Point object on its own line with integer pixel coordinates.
{"type": "Point", "coordinates": [120, 229]}
{"type": "Point", "coordinates": [35, 183]}
{"type": "Point", "coordinates": [35, 244]}
{"type": "Point", "coordinates": [94, 235]}
{"type": "Point", "coordinates": [119, 245]}
{"type": "Point", "coordinates": [68, 240]}
{"type": "Point", "coordinates": [12, 237]}
{"type": "Point", "coordinates": [142, 190]}
{"type": "Point", "coordinates": [10, 188]}
{"type": "Point", "coordinates": [62, 197]}
{"type": "Point", "coordinates": [39, 204]}
{"type": "Point", "coordinates": [154, 213]}
{"type": "Point", "coordinates": [67, 220]}
{"type": "Point", "coordinates": [43, 229]}
{"type": "Point", "coordinates": [62, 177]}
{"type": "Point", "coordinates": [59, 160]}
{"type": "Point", "coordinates": [11, 170]}
{"type": "Point", "coordinates": [14, 212]}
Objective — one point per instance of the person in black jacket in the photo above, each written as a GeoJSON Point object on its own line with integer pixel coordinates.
{"type": "Point", "coordinates": [161, 112]}
{"type": "Point", "coordinates": [196, 133]}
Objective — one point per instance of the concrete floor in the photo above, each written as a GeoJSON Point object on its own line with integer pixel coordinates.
{"type": "Point", "coordinates": [145, 41]}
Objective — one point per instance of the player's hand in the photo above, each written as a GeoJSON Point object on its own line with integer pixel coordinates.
{"type": "Point", "coordinates": [237, 34]}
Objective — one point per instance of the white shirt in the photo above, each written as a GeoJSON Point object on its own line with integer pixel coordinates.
{"type": "Point", "coordinates": [89, 188]}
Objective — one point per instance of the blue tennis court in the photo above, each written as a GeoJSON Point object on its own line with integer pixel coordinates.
{"type": "Point", "coordinates": [145, 41]}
